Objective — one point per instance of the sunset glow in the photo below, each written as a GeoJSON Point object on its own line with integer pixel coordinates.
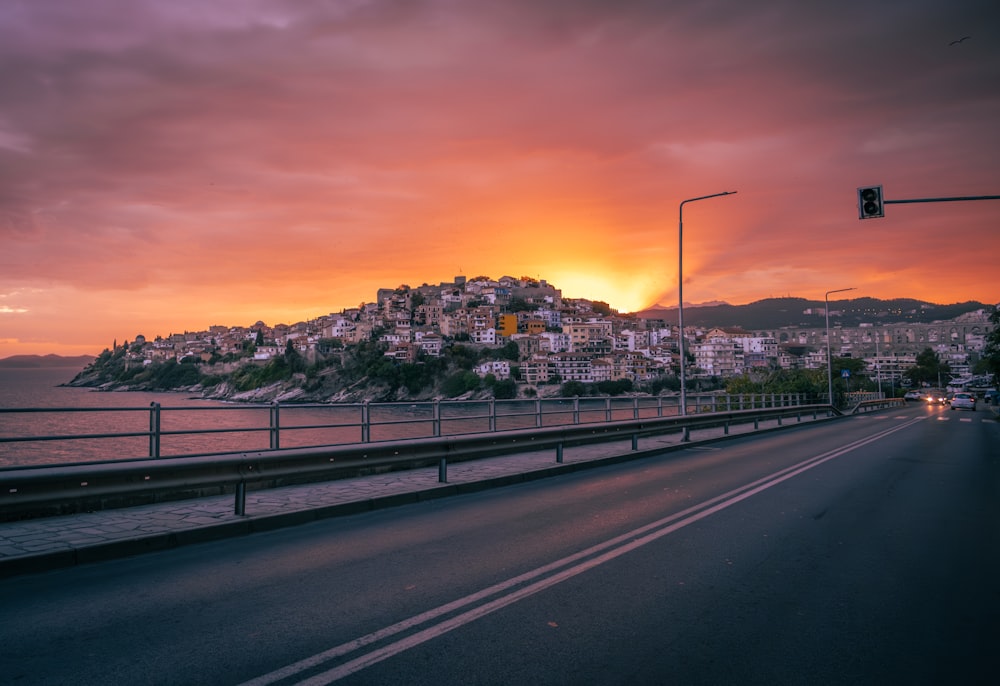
{"type": "Point", "coordinates": [168, 166]}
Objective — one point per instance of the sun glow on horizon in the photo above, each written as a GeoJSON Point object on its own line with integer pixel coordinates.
{"type": "Point", "coordinates": [625, 292]}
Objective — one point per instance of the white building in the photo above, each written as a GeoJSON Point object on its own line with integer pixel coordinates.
{"type": "Point", "coordinates": [498, 368]}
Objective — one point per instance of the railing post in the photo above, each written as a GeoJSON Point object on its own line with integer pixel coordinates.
{"type": "Point", "coordinates": [493, 415]}
{"type": "Point", "coordinates": [576, 409]}
{"type": "Point", "coordinates": [635, 441]}
{"type": "Point", "coordinates": [559, 452]}
{"type": "Point", "coordinates": [685, 434]}
{"type": "Point", "coordinates": [443, 470]}
{"type": "Point", "coordinates": [715, 404]}
{"type": "Point", "coordinates": [635, 407]}
{"type": "Point", "coordinates": [366, 427]}
{"type": "Point", "coordinates": [437, 418]}
{"type": "Point", "coordinates": [725, 428]}
{"type": "Point", "coordinates": [275, 426]}
{"type": "Point", "coordinates": [659, 406]}
{"type": "Point", "coordinates": [607, 409]}
{"type": "Point", "coordinates": [756, 423]}
{"type": "Point", "coordinates": [241, 499]}
{"type": "Point", "coordinates": [154, 429]}
{"type": "Point", "coordinates": [538, 413]}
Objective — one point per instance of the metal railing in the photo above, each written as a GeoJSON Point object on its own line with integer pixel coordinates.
{"type": "Point", "coordinates": [371, 422]}
{"type": "Point", "coordinates": [871, 404]}
{"type": "Point", "coordinates": [81, 487]}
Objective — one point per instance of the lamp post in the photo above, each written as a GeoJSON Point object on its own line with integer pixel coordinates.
{"type": "Point", "coordinates": [680, 289]}
{"type": "Point", "coordinates": [829, 357]}
{"type": "Point", "coordinates": [878, 366]}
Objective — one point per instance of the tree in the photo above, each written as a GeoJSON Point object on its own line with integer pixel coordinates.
{"type": "Point", "coordinates": [614, 387]}
{"type": "Point", "coordinates": [293, 359]}
{"type": "Point", "coordinates": [505, 389]}
{"type": "Point", "coordinates": [928, 370]}
{"type": "Point", "coordinates": [510, 351]}
{"type": "Point", "coordinates": [601, 307]}
{"type": "Point", "coordinates": [811, 382]}
{"type": "Point", "coordinates": [572, 388]}
{"type": "Point", "coordinates": [459, 382]}
{"type": "Point", "coordinates": [517, 304]}
{"type": "Point", "coordinates": [991, 351]}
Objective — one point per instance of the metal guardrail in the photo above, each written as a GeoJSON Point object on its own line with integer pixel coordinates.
{"type": "Point", "coordinates": [877, 404]}
{"type": "Point", "coordinates": [73, 488]}
{"type": "Point", "coordinates": [432, 418]}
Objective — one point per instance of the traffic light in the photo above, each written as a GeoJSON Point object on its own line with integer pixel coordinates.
{"type": "Point", "coordinates": [870, 202]}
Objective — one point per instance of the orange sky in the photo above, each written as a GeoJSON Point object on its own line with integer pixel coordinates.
{"type": "Point", "coordinates": [167, 166]}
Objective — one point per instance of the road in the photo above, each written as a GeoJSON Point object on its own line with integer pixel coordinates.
{"type": "Point", "coordinates": [861, 551]}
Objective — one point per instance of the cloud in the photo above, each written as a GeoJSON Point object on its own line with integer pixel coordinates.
{"type": "Point", "coordinates": [236, 157]}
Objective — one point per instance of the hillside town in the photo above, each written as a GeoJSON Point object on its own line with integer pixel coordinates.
{"type": "Point", "coordinates": [570, 339]}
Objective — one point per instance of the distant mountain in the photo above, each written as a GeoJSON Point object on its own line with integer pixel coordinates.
{"type": "Point", "coordinates": [777, 313]}
{"type": "Point", "coordinates": [44, 361]}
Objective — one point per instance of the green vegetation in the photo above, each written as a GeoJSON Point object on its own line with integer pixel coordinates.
{"type": "Point", "coordinates": [929, 370]}
{"type": "Point", "coordinates": [990, 362]}
{"type": "Point", "coordinates": [812, 382]}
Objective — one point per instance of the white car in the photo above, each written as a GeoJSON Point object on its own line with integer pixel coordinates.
{"type": "Point", "coordinates": [913, 395]}
{"type": "Point", "coordinates": [963, 401]}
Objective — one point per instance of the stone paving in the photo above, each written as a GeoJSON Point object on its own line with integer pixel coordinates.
{"type": "Point", "coordinates": [53, 542]}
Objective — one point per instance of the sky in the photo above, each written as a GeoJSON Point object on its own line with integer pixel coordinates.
{"type": "Point", "coordinates": [169, 166]}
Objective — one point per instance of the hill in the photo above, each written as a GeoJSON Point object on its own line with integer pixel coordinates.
{"type": "Point", "coordinates": [44, 361]}
{"type": "Point", "coordinates": [777, 313]}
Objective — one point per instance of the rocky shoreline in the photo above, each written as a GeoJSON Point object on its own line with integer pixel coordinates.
{"type": "Point", "coordinates": [294, 390]}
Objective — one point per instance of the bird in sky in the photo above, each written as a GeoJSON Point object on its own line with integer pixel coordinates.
{"type": "Point", "coordinates": [956, 42]}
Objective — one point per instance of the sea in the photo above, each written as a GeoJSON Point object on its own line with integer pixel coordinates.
{"type": "Point", "coordinates": [43, 422]}
{"type": "Point", "coordinates": [34, 402]}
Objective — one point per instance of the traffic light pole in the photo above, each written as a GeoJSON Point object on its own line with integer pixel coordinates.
{"type": "Point", "coordinates": [872, 201]}
{"type": "Point", "coordinates": [958, 199]}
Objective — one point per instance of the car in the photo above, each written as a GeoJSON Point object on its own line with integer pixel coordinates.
{"type": "Point", "coordinates": [990, 397]}
{"type": "Point", "coordinates": [913, 395]}
{"type": "Point", "coordinates": [935, 396]}
{"type": "Point", "coordinates": [963, 401]}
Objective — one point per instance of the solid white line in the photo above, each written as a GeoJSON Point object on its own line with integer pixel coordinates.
{"type": "Point", "coordinates": [584, 560]}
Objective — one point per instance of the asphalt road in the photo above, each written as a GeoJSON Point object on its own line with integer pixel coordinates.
{"type": "Point", "coordinates": [862, 551]}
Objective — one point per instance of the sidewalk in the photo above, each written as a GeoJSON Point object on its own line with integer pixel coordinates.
{"type": "Point", "coordinates": [54, 542]}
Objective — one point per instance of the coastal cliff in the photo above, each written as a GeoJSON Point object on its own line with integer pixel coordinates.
{"type": "Point", "coordinates": [361, 374]}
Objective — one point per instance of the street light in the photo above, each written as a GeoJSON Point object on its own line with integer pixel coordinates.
{"type": "Point", "coordinates": [878, 366]}
{"type": "Point", "coordinates": [829, 358]}
{"type": "Point", "coordinates": [680, 288]}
